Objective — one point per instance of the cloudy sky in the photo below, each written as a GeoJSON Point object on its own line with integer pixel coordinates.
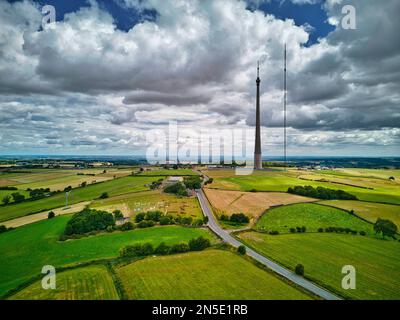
{"type": "Point", "coordinates": [109, 71]}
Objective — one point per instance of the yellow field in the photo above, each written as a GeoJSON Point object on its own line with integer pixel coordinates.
{"type": "Point", "coordinates": [133, 203]}
{"type": "Point", "coordinates": [368, 210]}
{"type": "Point", "coordinates": [252, 204]}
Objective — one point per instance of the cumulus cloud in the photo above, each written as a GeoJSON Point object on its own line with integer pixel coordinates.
{"type": "Point", "coordinates": [194, 63]}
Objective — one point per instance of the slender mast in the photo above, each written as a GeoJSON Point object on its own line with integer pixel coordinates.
{"type": "Point", "coordinates": [284, 110]}
{"type": "Point", "coordinates": [257, 149]}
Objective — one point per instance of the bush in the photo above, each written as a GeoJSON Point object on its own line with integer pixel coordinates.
{"type": "Point", "coordinates": [89, 220]}
{"type": "Point", "coordinates": [241, 249]}
{"type": "Point", "coordinates": [8, 188]}
{"type": "Point", "coordinates": [179, 248]}
{"type": "Point", "coordinates": [17, 197]}
{"type": "Point", "coordinates": [205, 220]}
{"type": "Point", "coordinates": [298, 229]}
{"type": "Point", "coordinates": [186, 221]}
{"type": "Point", "coordinates": [162, 249]}
{"type": "Point", "coordinates": [146, 224]}
{"type": "Point", "coordinates": [166, 220]}
{"type": "Point", "coordinates": [239, 218]}
{"type": "Point", "coordinates": [140, 217]}
{"type": "Point", "coordinates": [51, 215]}
{"type": "Point", "coordinates": [104, 195]}
{"type": "Point", "coordinates": [6, 199]}
{"type": "Point", "coordinates": [127, 226]}
{"type": "Point", "coordinates": [303, 229]}
{"type": "Point", "coordinates": [177, 188]}
{"type": "Point", "coordinates": [199, 244]}
{"type": "Point", "coordinates": [137, 250]}
{"type": "Point", "coordinates": [321, 193]}
{"type": "Point", "coordinates": [110, 229]}
{"type": "Point", "coordinates": [320, 230]}
{"type": "Point", "coordinates": [299, 270]}
{"type": "Point", "coordinates": [292, 230]}
{"type": "Point", "coordinates": [3, 229]}
{"type": "Point", "coordinates": [385, 227]}
{"type": "Point", "coordinates": [118, 214]}
{"type": "Point", "coordinates": [193, 182]}
{"type": "Point", "coordinates": [363, 233]}
{"type": "Point", "coordinates": [197, 223]}
{"type": "Point", "coordinates": [274, 233]}
{"type": "Point", "coordinates": [153, 215]}
{"type": "Point", "coordinates": [224, 217]}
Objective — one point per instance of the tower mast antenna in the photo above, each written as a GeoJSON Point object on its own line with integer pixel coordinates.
{"type": "Point", "coordinates": [284, 110]}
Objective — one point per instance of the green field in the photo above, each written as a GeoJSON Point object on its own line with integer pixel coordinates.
{"type": "Point", "coordinates": [25, 250]}
{"type": "Point", "coordinates": [377, 262]}
{"type": "Point", "coordinates": [383, 190]}
{"type": "Point", "coordinates": [172, 172]}
{"type": "Point", "coordinates": [312, 216]}
{"type": "Point", "coordinates": [368, 210]}
{"type": "Point", "coordinates": [86, 283]}
{"type": "Point", "coordinates": [3, 193]}
{"type": "Point", "coordinates": [113, 187]}
{"type": "Point", "coordinates": [133, 203]}
{"type": "Point", "coordinates": [209, 275]}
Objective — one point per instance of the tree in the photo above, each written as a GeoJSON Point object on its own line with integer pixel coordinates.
{"type": "Point", "coordinates": [241, 249]}
{"type": "Point", "coordinates": [239, 218]}
{"type": "Point", "coordinates": [6, 199]}
{"type": "Point", "coordinates": [199, 244]}
{"type": "Point", "coordinates": [126, 226]}
{"type": "Point", "coordinates": [118, 214]}
{"type": "Point", "coordinates": [392, 178]}
{"type": "Point", "coordinates": [83, 184]}
{"type": "Point", "coordinates": [193, 182]}
{"type": "Point", "coordinates": [140, 217]}
{"type": "Point", "coordinates": [104, 195]}
{"type": "Point", "coordinates": [299, 270]}
{"type": "Point", "coordinates": [385, 227]}
{"type": "Point", "coordinates": [162, 249]}
{"type": "Point", "coordinates": [177, 188]}
{"type": "Point", "coordinates": [166, 220]}
{"type": "Point", "coordinates": [18, 197]}
{"type": "Point", "coordinates": [3, 229]}
{"type": "Point", "coordinates": [153, 215]}
{"type": "Point", "coordinates": [51, 215]}
{"type": "Point", "coordinates": [89, 220]}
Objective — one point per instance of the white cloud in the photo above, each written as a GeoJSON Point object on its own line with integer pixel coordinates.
{"type": "Point", "coordinates": [196, 64]}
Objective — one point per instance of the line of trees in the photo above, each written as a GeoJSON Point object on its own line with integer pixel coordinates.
{"type": "Point", "coordinates": [321, 193]}
{"type": "Point", "coordinates": [236, 218]}
{"type": "Point", "coordinates": [147, 249]}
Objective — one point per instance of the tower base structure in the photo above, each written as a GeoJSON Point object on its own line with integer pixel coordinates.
{"type": "Point", "coordinates": [257, 162]}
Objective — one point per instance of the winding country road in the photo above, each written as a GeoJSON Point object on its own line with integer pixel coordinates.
{"type": "Point", "coordinates": [214, 226]}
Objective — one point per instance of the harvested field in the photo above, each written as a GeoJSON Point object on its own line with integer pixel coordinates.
{"type": "Point", "coordinates": [250, 203]}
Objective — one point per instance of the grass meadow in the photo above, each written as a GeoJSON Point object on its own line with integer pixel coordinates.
{"type": "Point", "coordinates": [113, 188]}
{"type": "Point", "coordinates": [86, 283]}
{"type": "Point", "coordinates": [25, 250]}
{"type": "Point", "coordinates": [312, 216]}
{"type": "Point", "coordinates": [211, 274]}
{"type": "Point", "coordinates": [377, 262]}
{"type": "Point", "coordinates": [368, 210]}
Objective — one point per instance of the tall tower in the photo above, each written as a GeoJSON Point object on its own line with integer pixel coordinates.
{"type": "Point", "coordinates": [257, 149]}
